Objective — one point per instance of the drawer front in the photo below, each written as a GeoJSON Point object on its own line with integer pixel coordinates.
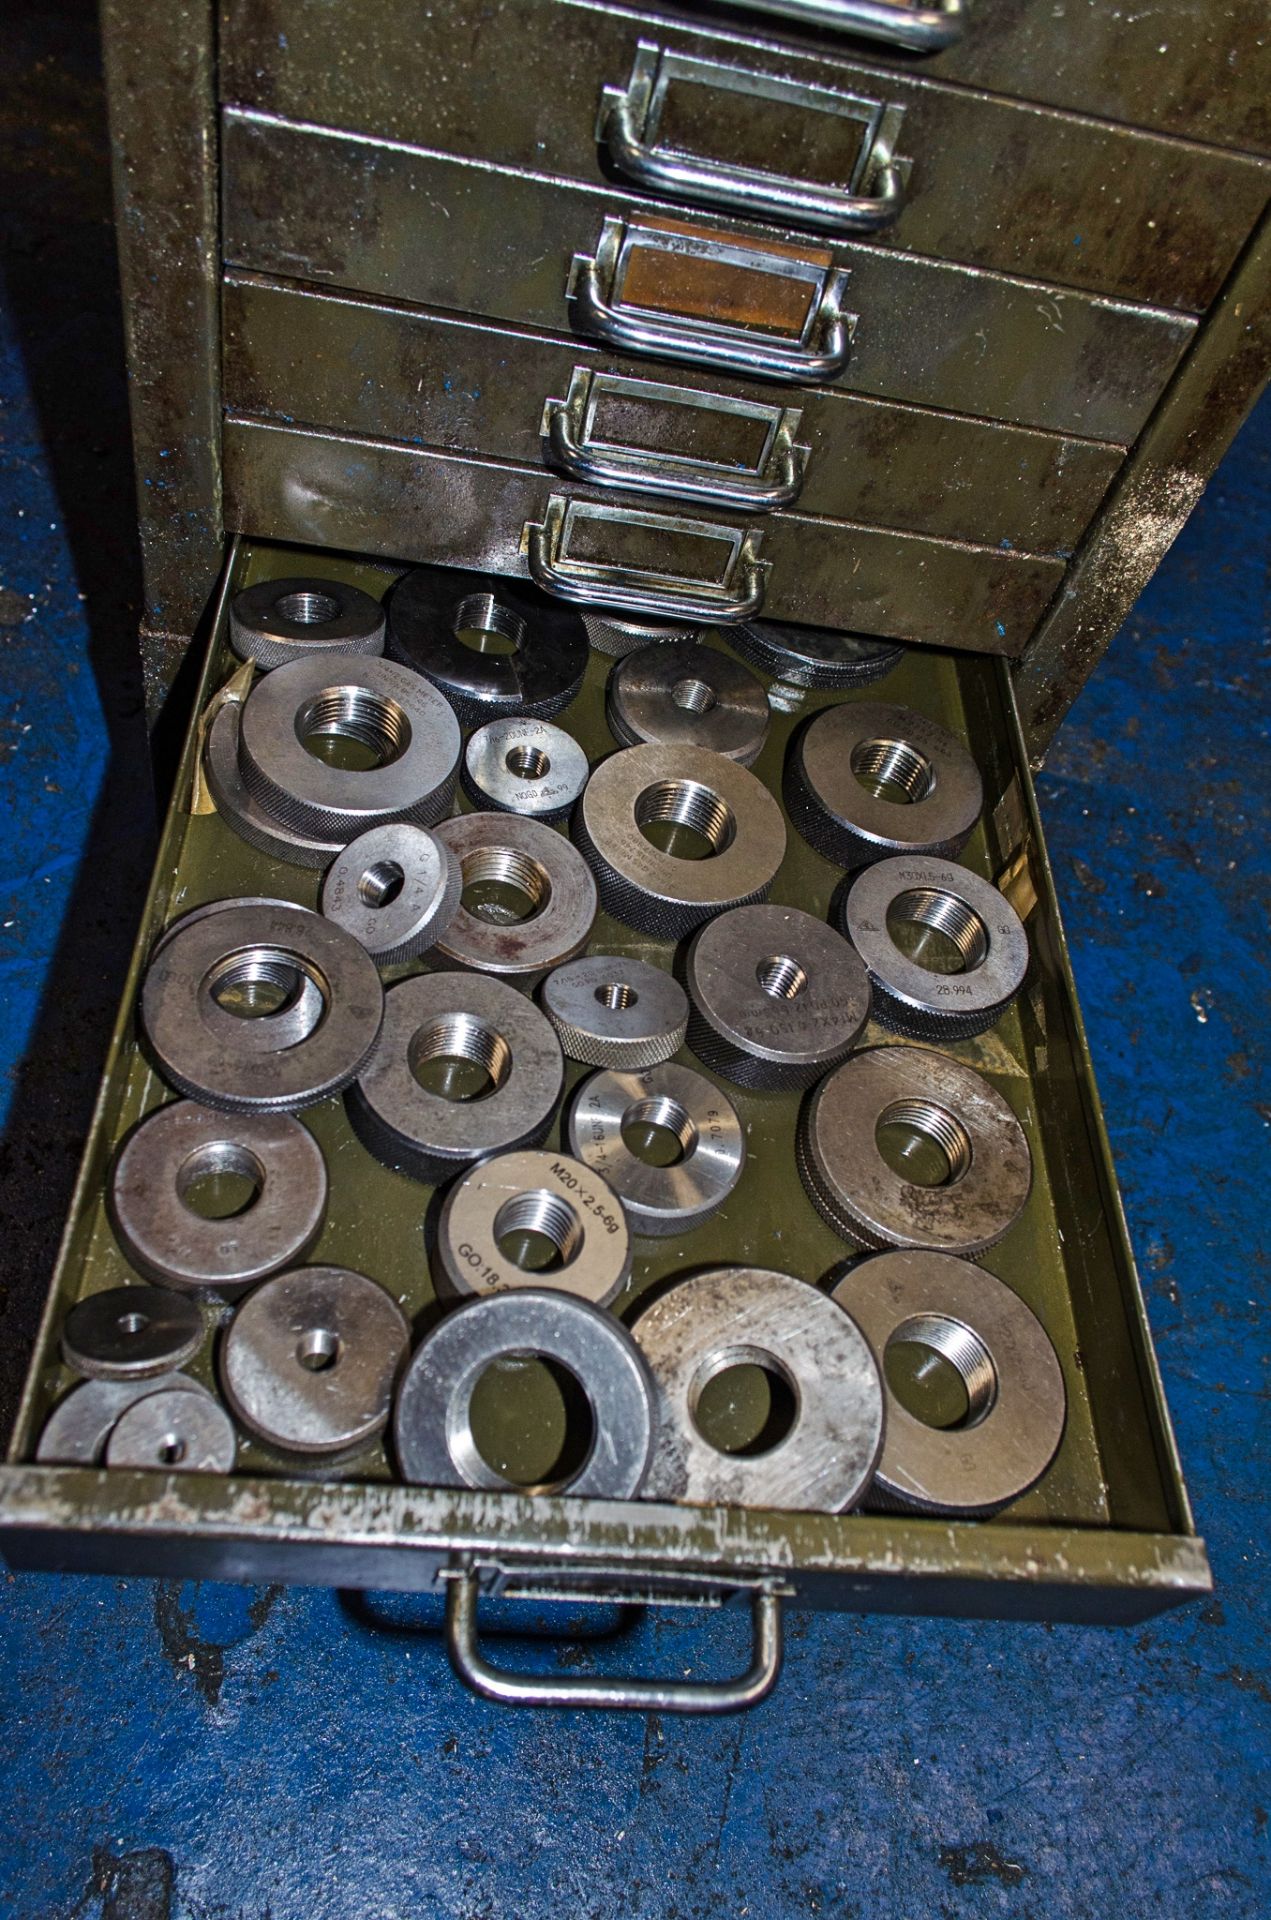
{"type": "Point", "coordinates": [405, 225]}
{"type": "Point", "coordinates": [1201, 68]}
{"type": "Point", "coordinates": [988, 183]}
{"type": "Point", "coordinates": [345, 364]}
{"type": "Point", "coordinates": [286, 484]}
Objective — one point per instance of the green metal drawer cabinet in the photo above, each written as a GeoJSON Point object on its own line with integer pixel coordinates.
{"type": "Point", "coordinates": [921, 322]}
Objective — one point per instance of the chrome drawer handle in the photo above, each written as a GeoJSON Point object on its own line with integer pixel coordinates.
{"type": "Point", "coordinates": [916, 29]}
{"type": "Point", "coordinates": [596, 1690]}
{"type": "Point", "coordinates": [738, 596]}
{"type": "Point", "coordinates": [568, 431]}
{"type": "Point", "coordinates": [627, 130]}
{"type": "Point", "coordinates": [820, 353]}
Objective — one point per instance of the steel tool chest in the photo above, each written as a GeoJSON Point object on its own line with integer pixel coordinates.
{"type": "Point", "coordinates": [925, 324]}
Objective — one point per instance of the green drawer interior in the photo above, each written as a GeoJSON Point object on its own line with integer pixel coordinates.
{"type": "Point", "coordinates": [1110, 1513]}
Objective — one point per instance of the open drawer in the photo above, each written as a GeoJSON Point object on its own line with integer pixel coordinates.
{"type": "Point", "coordinates": [1106, 1534]}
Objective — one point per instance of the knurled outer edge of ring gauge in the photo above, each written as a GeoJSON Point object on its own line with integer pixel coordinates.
{"type": "Point", "coordinates": [372, 698]}
{"type": "Point", "coordinates": [754, 641]}
{"type": "Point", "coordinates": [835, 997]}
{"type": "Point", "coordinates": [531, 1191]}
{"type": "Point", "coordinates": [863, 910]}
{"type": "Point", "coordinates": [910, 1084]}
{"type": "Point", "coordinates": [240, 809]}
{"type": "Point", "coordinates": [651, 890]}
{"type": "Point", "coordinates": [559, 791]}
{"type": "Point", "coordinates": [359, 614]}
{"type": "Point", "coordinates": [596, 972]}
{"type": "Point", "coordinates": [616, 635]}
{"type": "Point", "coordinates": [862, 827]}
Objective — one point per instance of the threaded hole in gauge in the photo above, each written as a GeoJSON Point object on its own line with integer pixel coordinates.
{"type": "Point", "coordinates": [685, 819]}
{"type": "Point", "coordinates": [266, 984]}
{"type": "Point", "coordinates": [528, 763]}
{"type": "Point", "coordinates": [306, 608]}
{"type": "Point", "coordinates": [937, 931]}
{"type": "Point", "coordinates": [893, 770]}
{"type": "Point", "coordinates": [353, 729]}
{"type": "Point", "coordinates": [131, 1323]}
{"type": "Point", "coordinates": [743, 1402]}
{"type": "Point", "coordinates": [459, 1057]}
{"type": "Point", "coordinates": [381, 884]}
{"type": "Point", "coordinates": [693, 696]}
{"type": "Point", "coordinates": [481, 623]}
{"type": "Point", "coordinates": [781, 977]}
{"type": "Point", "coordinates": [171, 1450]}
{"type": "Point", "coordinates": [538, 1231]}
{"type": "Point", "coordinates": [531, 1422]}
{"type": "Point", "coordinates": [504, 885]}
{"type": "Point", "coordinates": [658, 1131]}
{"type": "Point", "coordinates": [257, 984]}
{"type": "Point", "coordinates": [616, 996]}
{"type": "Point", "coordinates": [940, 1371]}
{"type": "Point", "coordinates": [926, 1145]}
{"type": "Point", "coordinates": [318, 1350]}
{"type": "Point", "coordinates": [217, 1182]}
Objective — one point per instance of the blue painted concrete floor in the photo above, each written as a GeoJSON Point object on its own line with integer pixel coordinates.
{"type": "Point", "coordinates": [210, 1753]}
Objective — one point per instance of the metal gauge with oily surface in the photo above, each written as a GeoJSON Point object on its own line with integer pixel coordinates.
{"type": "Point", "coordinates": [277, 621]}
{"type": "Point", "coordinates": [524, 766]}
{"type": "Point", "coordinates": [529, 653]}
{"type": "Point", "coordinates": [778, 997]}
{"type": "Point", "coordinates": [173, 1433]}
{"type": "Point", "coordinates": [529, 899]}
{"type": "Point", "coordinates": [131, 1333]}
{"type": "Point", "coordinates": [260, 1007]}
{"type": "Point", "coordinates": [825, 1403]}
{"type": "Point", "coordinates": [432, 1422]}
{"type": "Point", "coordinates": [334, 747]}
{"type": "Point", "coordinates": [619, 633]}
{"type": "Point", "coordinates": [395, 889]}
{"type": "Point", "coordinates": [250, 819]}
{"type": "Point", "coordinates": [903, 1147]}
{"type": "Point", "coordinates": [946, 951]}
{"type": "Point", "coordinates": [186, 1149]}
{"type": "Point", "coordinates": [691, 1146]}
{"type": "Point", "coordinates": [688, 695]}
{"type": "Point", "coordinates": [672, 846]}
{"type": "Point", "coordinates": [1002, 1427]}
{"type": "Point", "coordinates": [612, 1011]}
{"type": "Point", "coordinates": [533, 1219]}
{"type": "Point", "coordinates": [76, 1432]}
{"type": "Point", "coordinates": [864, 781]}
{"type": "Point", "coordinates": [311, 1358]}
{"type": "Point", "coordinates": [465, 1066]}
{"type": "Point", "coordinates": [814, 656]}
